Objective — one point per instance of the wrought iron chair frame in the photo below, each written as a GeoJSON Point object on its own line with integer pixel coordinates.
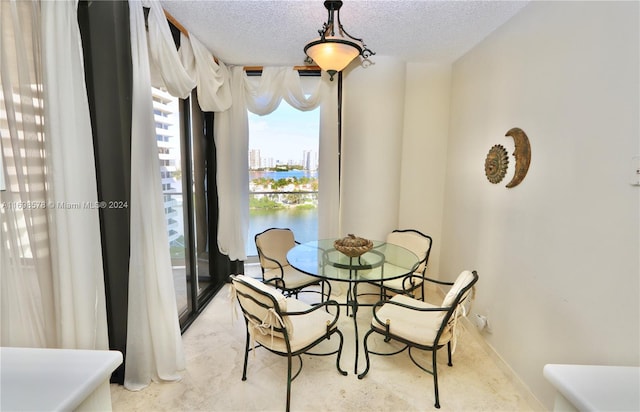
{"type": "Point", "coordinates": [279, 282]}
{"type": "Point", "coordinates": [462, 295]}
{"type": "Point", "coordinates": [289, 354]}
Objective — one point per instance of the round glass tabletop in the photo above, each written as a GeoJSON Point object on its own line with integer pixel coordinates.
{"type": "Point", "coordinates": [383, 262]}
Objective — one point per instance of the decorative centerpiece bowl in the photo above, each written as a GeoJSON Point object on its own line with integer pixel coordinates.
{"type": "Point", "coordinates": [353, 246]}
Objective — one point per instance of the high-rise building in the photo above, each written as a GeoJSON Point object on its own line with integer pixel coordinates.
{"type": "Point", "coordinates": [166, 116]}
{"type": "Point", "coordinates": [310, 160]}
{"type": "Point", "coordinates": [255, 161]}
{"type": "Point", "coordinates": [269, 162]}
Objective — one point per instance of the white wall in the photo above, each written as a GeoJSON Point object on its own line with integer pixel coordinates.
{"type": "Point", "coordinates": [424, 152]}
{"type": "Point", "coordinates": [394, 149]}
{"type": "Point", "coordinates": [558, 255]}
{"type": "Point", "coordinates": [372, 147]}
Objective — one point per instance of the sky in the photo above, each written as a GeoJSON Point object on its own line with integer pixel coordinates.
{"type": "Point", "coordinates": [284, 133]}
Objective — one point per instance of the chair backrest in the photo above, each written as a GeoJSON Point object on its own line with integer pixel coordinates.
{"type": "Point", "coordinates": [415, 241]}
{"type": "Point", "coordinates": [455, 299]}
{"type": "Point", "coordinates": [461, 287]}
{"type": "Point", "coordinates": [262, 305]}
{"type": "Point", "coordinates": [274, 243]}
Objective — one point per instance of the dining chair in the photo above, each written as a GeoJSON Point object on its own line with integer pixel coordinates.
{"type": "Point", "coordinates": [421, 325]}
{"type": "Point", "coordinates": [418, 243]}
{"type": "Point", "coordinates": [272, 246]}
{"type": "Point", "coordinates": [284, 326]}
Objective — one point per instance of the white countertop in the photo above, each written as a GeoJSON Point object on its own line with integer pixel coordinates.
{"type": "Point", "coordinates": [52, 379]}
{"type": "Point", "coordinates": [596, 387]}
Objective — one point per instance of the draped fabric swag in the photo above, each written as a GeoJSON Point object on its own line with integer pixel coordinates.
{"type": "Point", "coordinates": [51, 281]}
{"type": "Point", "coordinates": [171, 73]}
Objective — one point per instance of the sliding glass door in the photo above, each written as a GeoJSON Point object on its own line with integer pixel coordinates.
{"type": "Point", "coordinates": [185, 154]}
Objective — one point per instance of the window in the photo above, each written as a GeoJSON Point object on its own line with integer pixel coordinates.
{"type": "Point", "coordinates": [283, 173]}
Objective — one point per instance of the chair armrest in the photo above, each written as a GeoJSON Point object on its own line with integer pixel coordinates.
{"type": "Point", "coordinates": [276, 281]}
{"type": "Point", "coordinates": [317, 307]}
{"type": "Point", "coordinates": [408, 280]}
{"type": "Point", "coordinates": [403, 305]}
{"type": "Point", "coordinates": [439, 282]}
{"type": "Point", "coordinates": [387, 324]}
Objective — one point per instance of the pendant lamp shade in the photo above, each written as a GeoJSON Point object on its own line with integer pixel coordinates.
{"type": "Point", "coordinates": [333, 54]}
{"type": "Point", "coordinates": [331, 51]}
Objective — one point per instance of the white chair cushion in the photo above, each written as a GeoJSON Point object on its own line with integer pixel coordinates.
{"type": "Point", "coordinates": [309, 328]}
{"type": "Point", "coordinates": [412, 325]}
{"type": "Point", "coordinates": [461, 282]}
{"type": "Point", "coordinates": [292, 277]}
{"type": "Point", "coordinates": [397, 284]}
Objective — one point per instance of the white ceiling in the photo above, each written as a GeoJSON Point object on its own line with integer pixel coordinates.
{"type": "Point", "coordinates": [266, 32]}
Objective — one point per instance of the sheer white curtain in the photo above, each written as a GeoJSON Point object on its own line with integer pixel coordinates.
{"type": "Point", "coordinates": [51, 262]}
{"type": "Point", "coordinates": [2, 183]}
{"type": "Point", "coordinates": [76, 248]}
{"type": "Point", "coordinates": [154, 342]}
{"type": "Point", "coordinates": [25, 264]}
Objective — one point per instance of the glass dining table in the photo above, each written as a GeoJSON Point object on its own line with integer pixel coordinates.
{"type": "Point", "coordinates": [384, 261]}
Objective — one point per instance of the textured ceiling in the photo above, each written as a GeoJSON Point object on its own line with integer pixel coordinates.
{"type": "Point", "coordinates": [275, 32]}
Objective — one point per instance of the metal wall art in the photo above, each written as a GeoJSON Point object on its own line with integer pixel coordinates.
{"type": "Point", "coordinates": [497, 161]}
{"type": "Point", "coordinates": [522, 153]}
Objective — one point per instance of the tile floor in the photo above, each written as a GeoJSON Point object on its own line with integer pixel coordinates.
{"type": "Point", "coordinates": [214, 351]}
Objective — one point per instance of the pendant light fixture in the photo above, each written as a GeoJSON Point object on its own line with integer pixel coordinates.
{"type": "Point", "coordinates": [335, 48]}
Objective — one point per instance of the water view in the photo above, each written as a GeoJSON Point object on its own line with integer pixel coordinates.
{"type": "Point", "coordinates": [283, 174]}
{"type": "Point", "coordinates": [284, 199]}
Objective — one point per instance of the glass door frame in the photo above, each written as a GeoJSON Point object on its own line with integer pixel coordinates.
{"type": "Point", "coordinates": [196, 124]}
